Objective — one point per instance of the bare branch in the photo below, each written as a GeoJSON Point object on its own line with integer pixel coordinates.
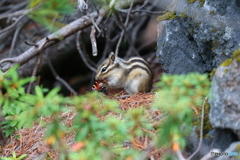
{"type": "Point", "coordinates": [21, 21]}
{"type": "Point", "coordinates": [93, 41]}
{"type": "Point", "coordinates": [201, 131]}
{"type": "Point", "coordinates": [21, 12]}
{"type": "Point", "coordinates": [15, 39]}
{"type": "Point", "coordinates": [179, 155]}
{"type": "Point", "coordinates": [3, 1]}
{"type": "Point", "coordinates": [34, 72]}
{"type": "Point", "coordinates": [95, 24]}
{"type": "Point", "coordinates": [126, 22]}
{"type": "Point", "coordinates": [92, 34]}
{"type": "Point", "coordinates": [37, 63]}
{"type": "Point", "coordinates": [85, 57]}
{"type": "Point", "coordinates": [61, 34]}
{"type": "Point", "coordinates": [31, 44]}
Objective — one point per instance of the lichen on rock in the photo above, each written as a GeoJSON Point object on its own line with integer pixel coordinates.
{"type": "Point", "coordinates": [197, 37]}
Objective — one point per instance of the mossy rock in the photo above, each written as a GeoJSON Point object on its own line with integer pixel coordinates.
{"type": "Point", "coordinates": [167, 16]}
{"type": "Point", "coordinates": [201, 2]}
{"type": "Point", "coordinates": [227, 62]}
{"type": "Point", "coordinates": [236, 55]}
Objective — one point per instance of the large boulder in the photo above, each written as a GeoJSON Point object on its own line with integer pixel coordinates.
{"type": "Point", "coordinates": [225, 100]}
{"type": "Point", "coordinates": [200, 36]}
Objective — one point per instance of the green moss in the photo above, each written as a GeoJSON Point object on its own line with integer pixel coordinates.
{"type": "Point", "coordinates": [236, 55]}
{"type": "Point", "coordinates": [197, 24]}
{"type": "Point", "coordinates": [212, 73]}
{"type": "Point", "coordinates": [226, 70]}
{"type": "Point", "coordinates": [212, 13]}
{"type": "Point", "coordinates": [214, 43]}
{"type": "Point", "coordinates": [201, 2]}
{"type": "Point", "coordinates": [214, 30]}
{"type": "Point", "coordinates": [237, 148]}
{"type": "Point", "coordinates": [183, 14]}
{"type": "Point", "coordinates": [167, 16]}
{"type": "Point", "coordinates": [207, 125]}
{"type": "Point", "coordinates": [227, 62]}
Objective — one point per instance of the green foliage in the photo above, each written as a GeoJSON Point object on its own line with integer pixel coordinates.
{"type": "Point", "coordinates": [167, 16]}
{"type": "Point", "coordinates": [14, 157]}
{"type": "Point", "coordinates": [10, 100]}
{"type": "Point", "coordinates": [177, 94]}
{"type": "Point", "coordinates": [49, 12]}
{"type": "Point", "coordinates": [97, 125]}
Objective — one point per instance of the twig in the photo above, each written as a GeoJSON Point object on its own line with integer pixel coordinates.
{"type": "Point", "coordinates": [22, 12]}
{"type": "Point", "coordinates": [126, 22]}
{"type": "Point", "coordinates": [34, 72]}
{"type": "Point", "coordinates": [5, 33]}
{"type": "Point", "coordinates": [95, 24]}
{"type": "Point", "coordinates": [60, 34]}
{"type": "Point", "coordinates": [93, 30]}
{"type": "Point", "coordinates": [14, 39]}
{"type": "Point", "coordinates": [93, 41]}
{"type": "Point", "coordinates": [3, 1]}
{"type": "Point", "coordinates": [85, 57]}
{"type": "Point", "coordinates": [92, 34]}
{"type": "Point", "coordinates": [201, 131]}
{"type": "Point", "coordinates": [15, 7]}
{"type": "Point", "coordinates": [179, 155]}
{"type": "Point", "coordinates": [151, 157]}
{"type": "Point", "coordinates": [37, 63]}
{"type": "Point", "coordinates": [127, 37]}
{"type": "Point", "coordinates": [30, 44]}
{"type": "Point", "coordinates": [10, 27]}
{"type": "Point", "coordinates": [139, 10]}
{"type": "Point", "coordinates": [60, 79]}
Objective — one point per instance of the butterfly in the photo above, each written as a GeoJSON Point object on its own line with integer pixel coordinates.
{"type": "Point", "coordinates": [100, 85]}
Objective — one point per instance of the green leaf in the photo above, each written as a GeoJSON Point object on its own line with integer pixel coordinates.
{"type": "Point", "coordinates": [53, 93]}
{"type": "Point", "coordinates": [39, 92]}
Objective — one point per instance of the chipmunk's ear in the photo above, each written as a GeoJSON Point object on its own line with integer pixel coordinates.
{"type": "Point", "coordinates": [111, 56]}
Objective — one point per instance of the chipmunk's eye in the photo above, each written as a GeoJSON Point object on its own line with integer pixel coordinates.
{"type": "Point", "coordinates": [104, 69]}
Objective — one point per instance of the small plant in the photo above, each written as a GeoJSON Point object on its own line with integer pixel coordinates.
{"type": "Point", "coordinates": [48, 13]}
{"type": "Point", "coordinates": [177, 97]}
{"type": "Point", "coordinates": [97, 125]}
{"type": "Point", "coordinates": [14, 157]}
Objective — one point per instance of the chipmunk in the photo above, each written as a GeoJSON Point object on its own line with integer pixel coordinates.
{"type": "Point", "coordinates": [134, 75]}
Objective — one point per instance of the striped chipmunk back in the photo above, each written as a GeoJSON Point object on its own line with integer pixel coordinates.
{"type": "Point", "coordinates": [134, 74]}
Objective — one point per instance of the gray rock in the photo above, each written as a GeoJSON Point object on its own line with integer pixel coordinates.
{"type": "Point", "coordinates": [201, 39]}
{"type": "Point", "coordinates": [231, 153]}
{"type": "Point", "coordinates": [219, 139]}
{"type": "Point", "coordinates": [225, 100]}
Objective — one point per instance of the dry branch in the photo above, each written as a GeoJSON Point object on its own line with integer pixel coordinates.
{"type": "Point", "coordinates": [84, 56]}
{"type": "Point", "coordinates": [61, 34]}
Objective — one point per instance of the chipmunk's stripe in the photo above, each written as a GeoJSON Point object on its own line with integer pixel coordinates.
{"type": "Point", "coordinates": [141, 61]}
{"type": "Point", "coordinates": [138, 66]}
{"type": "Point", "coordinates": [136, 63]}
{"type": "Point", "coordinates": [138, 60]}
